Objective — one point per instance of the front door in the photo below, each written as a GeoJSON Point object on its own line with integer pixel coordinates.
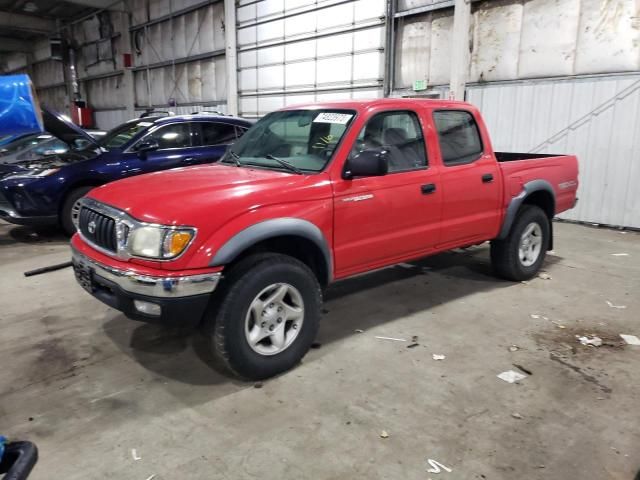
{"type": "Point", "coordinates": [175, 149]}
{"type": "Point", "coordinates": [380, 220]}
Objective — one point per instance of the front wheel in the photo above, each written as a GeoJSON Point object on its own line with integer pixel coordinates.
{"type": "Point", "coordinates": [267, 316]}
{"type": "Point", "coordinates": [71, 209]}
{"type": "Point", "coordinates": [520, 256]}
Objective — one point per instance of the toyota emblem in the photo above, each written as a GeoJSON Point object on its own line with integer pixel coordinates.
{"type": "Point", "coordinates": [92, 227]}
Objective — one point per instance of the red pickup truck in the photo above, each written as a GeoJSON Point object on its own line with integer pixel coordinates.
{"type": "Point", "coordinates": [310, 195]}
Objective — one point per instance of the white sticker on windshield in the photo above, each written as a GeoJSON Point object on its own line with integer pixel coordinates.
{"type": "Point", "coordinates": [329, 117]}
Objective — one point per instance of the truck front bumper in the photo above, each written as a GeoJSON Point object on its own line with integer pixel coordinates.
{"type": "Point", "coordinates": [170, 300]}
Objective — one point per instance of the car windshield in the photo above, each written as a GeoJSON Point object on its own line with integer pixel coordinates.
{"type": "Point", "coordinates": [24, 142]}
{"type": "Point", "coordinates": [295, 140]}
{"type": "Point", "coordinates": [120, 135]}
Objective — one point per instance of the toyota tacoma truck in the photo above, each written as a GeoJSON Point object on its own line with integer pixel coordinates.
{"type": "Point", "coordinates": [310, 195]}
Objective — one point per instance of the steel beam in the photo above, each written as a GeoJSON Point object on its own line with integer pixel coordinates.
{"type": "Point", "coordinates": [100, 4]}
{"type": "Point", "coordinates": [28, 23]}
{"type": "Point", "coordinates": [460, 49]}
{"type": "Point", "coordinates": [14, 45]}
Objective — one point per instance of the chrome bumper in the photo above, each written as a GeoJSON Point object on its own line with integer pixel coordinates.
{"type": "Point", "coordinates": [159, 287]}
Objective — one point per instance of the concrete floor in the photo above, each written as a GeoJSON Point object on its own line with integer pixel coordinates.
{"type": "Point", "coordinates": [88, 385]}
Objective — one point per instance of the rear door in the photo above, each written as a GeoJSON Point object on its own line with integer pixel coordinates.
{"type": "Point", "coordinates": [471, 182]}
{"type": "Point", "coordinates": [379, 220]}
{"type": "Point", "coordinates": [212, 140]}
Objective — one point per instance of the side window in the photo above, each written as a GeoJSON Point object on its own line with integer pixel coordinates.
{"type": "Point", "coordinates": [400, 134]}
{"type": "Point", "coordinates": [458, 135]}
{"type": "Point", "coordinates": [217, 133]}
{"type": "Point", "coordinates": [175, 135]}
{"type": "Point", "coordinates": [240, 131]}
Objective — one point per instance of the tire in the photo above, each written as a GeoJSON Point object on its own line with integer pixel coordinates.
{"type": "Point", "coordinates": [229, 323]}
{"type": "Point", "coordinates": [506, 256]}
{"type": "Point", "coordinates": [66, 214]}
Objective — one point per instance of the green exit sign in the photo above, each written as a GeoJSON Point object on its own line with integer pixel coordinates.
{"type": "Point", "coordinates": [419, 85]}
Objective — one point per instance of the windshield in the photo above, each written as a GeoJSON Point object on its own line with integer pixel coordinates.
{"type": "Point", "coordinates": [123, 133]}
{"type": "Point", "coordinates": [304, 139]}
{"type": "Point", "coordinates": [24, 143]}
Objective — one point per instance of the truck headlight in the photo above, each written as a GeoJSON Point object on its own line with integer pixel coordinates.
{"type": "Point", "coordinates": [159, 242]}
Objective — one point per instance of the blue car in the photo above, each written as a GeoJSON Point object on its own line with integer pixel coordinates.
{"type": "Point", "coordinates": [45, 191]}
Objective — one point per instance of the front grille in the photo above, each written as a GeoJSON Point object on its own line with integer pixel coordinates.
{"type": "Point", "coordinates": [99, 229]}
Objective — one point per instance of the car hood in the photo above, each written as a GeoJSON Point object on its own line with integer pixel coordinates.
{"type": "Point", "coordinates": [211, 194]}
{"type": "Point", "coordinates": [63, 128]}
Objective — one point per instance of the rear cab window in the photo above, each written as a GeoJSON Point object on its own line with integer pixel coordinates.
{"type": "Point", "coordinates": [458, 136]}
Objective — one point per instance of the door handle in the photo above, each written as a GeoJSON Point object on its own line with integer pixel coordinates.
{"type": "Point", "coordinates": [428, 188]}
{"type": "Point", "coordinates": [487, 178]}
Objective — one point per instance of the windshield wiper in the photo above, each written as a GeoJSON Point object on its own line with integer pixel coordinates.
{"type": "Point", "coordinates": [235, 157]}
{"type": "Point", "coordinates": [285, 164]}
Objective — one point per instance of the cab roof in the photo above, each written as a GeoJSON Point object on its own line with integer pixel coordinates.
{"type": "Point", "coordinates": [363, 104]}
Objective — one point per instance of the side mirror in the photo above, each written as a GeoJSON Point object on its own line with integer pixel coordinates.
{"type": "Point", "coordinates": [147, 146]}
{"type": "Point", "coordinates": [368, 163]}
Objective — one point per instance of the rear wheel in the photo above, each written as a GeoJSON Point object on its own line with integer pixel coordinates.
{"type": "Point", "coordinates": [71, 209]}
{"type": "Point", "coordinates": [520, 256]}
{"type": "Point", "coordinates": [266, 316]}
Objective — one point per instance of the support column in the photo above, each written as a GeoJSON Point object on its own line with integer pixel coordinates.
{"type": "Point", "coordinates": [231, 56]}
{"type": "Point", "coordinates": [127, 71]}
{"type": "Point", "coordinates": [460, 49]}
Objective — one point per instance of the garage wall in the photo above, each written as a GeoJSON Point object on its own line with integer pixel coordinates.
{"type": "Point", "coordinates": [598, 119]}
{"type": "Point", "coordinates": [317, 49]}
{"type": "Point", "coordinates": [521, 39]}
{"type": "Point", "coordinates": [179, 53]}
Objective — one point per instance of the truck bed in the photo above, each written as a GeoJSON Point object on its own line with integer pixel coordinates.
{"type": "Point", "coordinates": [513, 156]}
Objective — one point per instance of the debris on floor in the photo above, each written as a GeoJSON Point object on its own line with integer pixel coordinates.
{"type": "Point", "coordinates": [544, 276]}
{"type": "Point", "coordinates": [593, 341]}
{"type": "Point", "coordinates": [630, 339]}
{"type": "Point", "coordinates": [526, 371]}
{"type": "Point", "coordinates": [258, 385]}
{"type": "Point", "coordinates": [413, 345]}
{"type": "Point", "coordinates": [619, 254]}
{"type": "Point", "coordinates": [359, 330]}
{"type": "Point", "coordinates": [534, 316]}
{"type": "Point", "coordinates": [151, 477]}
{"type": "Point", "coordinates": [511, 376]}
{"type": "Point", "coordinates": [517, 415]}
{"type": "Point", "coordinates": [384, 434]}
{"type": "Point", "coordinates": [514, 348]}
{"type": "Point", "coordinates": [435, 467]}
{"type": "Point", "coordinates": [558, 324]}
{"type": "Point", "coordinates": [134, 455]}
{"type": "Point", "coordinates": [615, 306]}
{"type": "Point", "coordinates": [391, 338]}
{"type": "Point", "coordinates": [437, 356]}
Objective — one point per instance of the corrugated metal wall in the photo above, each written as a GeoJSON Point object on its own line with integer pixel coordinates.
{"type": "Point", "coordinates": [597, 119]}
{"type": "Point", "coordinates": [521, 39]}
{"type": "Point", "coordinates": [179, 53]}
{"type": "Point", "coordinates": [311, 50]}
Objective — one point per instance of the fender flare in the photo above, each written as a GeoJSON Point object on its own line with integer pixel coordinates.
{"type": "Point", "coordinates": [268, 229]}
{"type": "Point", "coordinates": [517, 201]}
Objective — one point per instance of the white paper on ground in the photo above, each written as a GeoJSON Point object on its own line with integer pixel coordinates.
{"type": "Point", "coordinates": [511, 376]}
{"type": "Point", "coordinates": [630, 339]}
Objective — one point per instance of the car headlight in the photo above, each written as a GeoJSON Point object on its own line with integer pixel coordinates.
{"type": "Point", "coordinates": [36, 173]}
{"type": "Point", "coordinates": [159, 242]}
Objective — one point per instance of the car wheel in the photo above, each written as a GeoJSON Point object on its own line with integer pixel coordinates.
{"type": "Point", "coordinates": [520, 256]}
{"type": "Point", "coordinates": [71, 209]}
{"type": "Point", "coordinates": [267, 316]}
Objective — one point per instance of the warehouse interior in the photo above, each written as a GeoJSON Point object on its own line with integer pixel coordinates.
{"type": "Point", "coordinates": [401, 380]}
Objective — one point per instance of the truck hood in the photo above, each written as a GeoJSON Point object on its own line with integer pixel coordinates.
{"type": "Point", "coordinates": [213, 193]}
